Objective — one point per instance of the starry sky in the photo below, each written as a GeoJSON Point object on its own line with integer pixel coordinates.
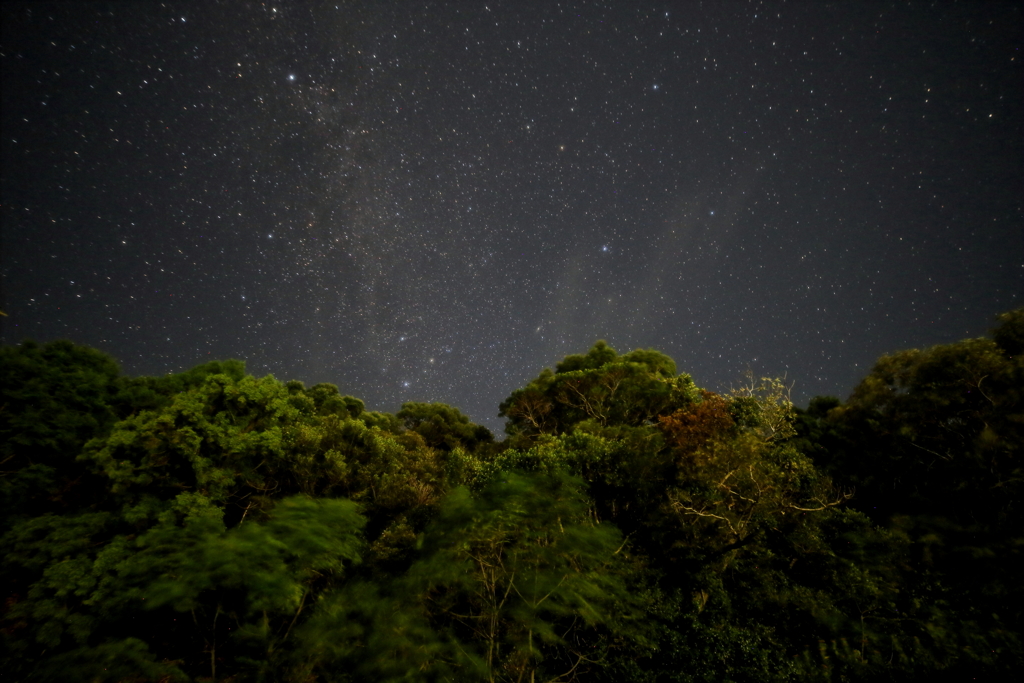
{"type": "Point", "coordinates": [434, 201]}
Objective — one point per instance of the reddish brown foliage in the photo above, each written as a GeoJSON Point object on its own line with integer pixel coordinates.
{"type": "Point", "coordinates": [689, 428]}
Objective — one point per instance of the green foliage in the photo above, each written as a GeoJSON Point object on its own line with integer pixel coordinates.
{"type": "Point", "coordinates": [210, 525]}
{"type": "Point", "coordinates": [224, 439]}
{"type": "Point", "coordinates": [373, 631]}
{"type": "Point", "coordinates": [508, 583]}
{"type": "Point", "coordinates": [329, 401]}
{"type": "Point", "coordinates": [53, 399]}
{"type": "Point", "coordinates": [764, 408]}
{"type": "Point", "coordinates": [946, 424]}
{"type": "Point", "coordinates": [128, 659]}
{"type": "Point", "coordinates": [599, 355]}
{"type": "Point", "coordinates": [1009, 333]}
{"type": "Point", "coordinates": [442, 426]}
{"type": "Point", "coordinates": [690, 648]}
{"type": "Point", "coordinates": [271, 562]}
{"type": "Point", "coordinates": [135, 394]}
{"type": "Point", "coordinates": [246, 587]}
{"type": "Point", "coordinates": [49, 567]}
{"type": "Point", "coordinates": [518, 574]}
{"type": "Point", "coordinates": [602, 387]}
{"type": "Point", "coordinates": [931, 439]}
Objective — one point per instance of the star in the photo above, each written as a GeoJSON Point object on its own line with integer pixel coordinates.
{"type": "Point", "coordinates": [409, 194]}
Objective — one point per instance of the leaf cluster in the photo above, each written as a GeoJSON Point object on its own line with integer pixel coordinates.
{"type": "Point", "coordinates": [633, 527]}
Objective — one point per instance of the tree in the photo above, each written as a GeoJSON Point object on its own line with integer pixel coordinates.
{"type": "Point", "coordinates": [688, 429]}
{"type": "Point", "coordinates": [195, 483]}
{"type": "Point", "coordinates": [942, 428]}
{"type": "Point", "coordinates": [53, 399]}
{"type": "Point", "coordinates": [244, 588]}
{"type": "Point", "coordinates": [1009, 333]}
{"type": "Point", "coordinates": [931, 440]}
{"type": "Point", "coordinates": [633, 527]}
{"type": "Point", "coordinates": [601, 386]}
{"type": "Point", "coordinates": [516, 581]}
{"type": "Point", "coordinates": [443, 426]}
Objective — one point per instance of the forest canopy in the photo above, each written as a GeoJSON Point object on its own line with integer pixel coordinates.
{"type": "Point", "coordinates": [630, 527]}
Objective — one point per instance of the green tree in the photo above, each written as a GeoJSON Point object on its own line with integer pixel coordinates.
{"type": "Point", "coordinates": [53, 399]}
{"type": "Point", "coordinates": [219, 455]}
{"type": "Point", "coordinates": [931, 439]}
{"type": "Point", "coordinates": [515, 583]}
{"type": "Point", "coordinates": [1009, 333]}
{"type": "Point", "coordinates": [212, 525]}
{"type": "Point", "coordinates": [135, 394]}
{"type": "Point", "coordinates": [601, 386]}
{"type": "Point", "coordinates": [943, 429]}
{"type": "Point", "coordinates": [329, 401]}
{"type": "Point", "coordinates": [245, 588]}
{"type": "Point", "coordinates": [443, 426]}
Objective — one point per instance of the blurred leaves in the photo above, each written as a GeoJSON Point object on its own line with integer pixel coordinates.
{"type": "Point", "coordinates": [211, 525]}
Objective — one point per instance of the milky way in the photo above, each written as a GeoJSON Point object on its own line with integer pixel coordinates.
{"type": "Point", "coordinates": [435, 201]}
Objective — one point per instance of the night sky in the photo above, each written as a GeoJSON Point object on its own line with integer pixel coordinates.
{"type": "Point", "coordinates": [434, 201]}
